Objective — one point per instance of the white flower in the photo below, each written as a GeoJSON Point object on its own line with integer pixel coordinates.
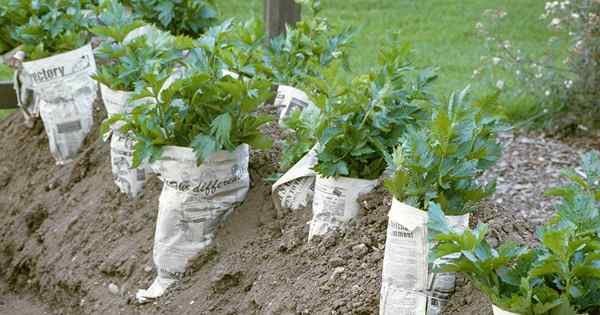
{"type": "Point", "coordinates": [496, 60]}
{"type": "Point", "coordinates": [538, 75]}
{"type": "Point", "coordinates": [518, 72]}
{"type": "Point", "coordinates": [500, 84]}
{"type": "Point", "coordinates": [547, 93]}
{"type": "Point", "coordinates": [575, 15]}
{"type": "Point", "coordinates": [506, 44]}
{"type": "Point", "coordinates": [479, 25]}
{"type": "Point", "coordinates": [555, 22]}
{"type": "Point", "coordinates": [475, 73]}
{"type": "Point", "coordinates": [568, 84]}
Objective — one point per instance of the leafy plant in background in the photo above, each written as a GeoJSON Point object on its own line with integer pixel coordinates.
{"type": "Point", "coordinates": [180, 17]}
{"type": "Point", "coordinates": [115, 21]}
{"type": "Point", "coordinates": [207, 108]}
{"type": "Point", "coordinates": [13, 13]}
{"type": "Point", "coordinates": [306, 48]}
{"type": "Point", "coordinates": [242, 48]}
{"type": "Point", "coordinates": [440, 160]}
{"type": "Point", "coordinates": [305, 51]}
{"type": "Point", "coordinates": [59, 26]}
{"type": "Point", "coordinates": [560, 83]}
{"type": "Point", "coordinates": [123, 63]}
{"type": "Point", "coordinates": [560, 276]}
{"type": "Point", "coordinates": [360, 122]}
{"type": "Point", "coordinates": [126, 64]}
{"type": "Point", "coordinates": [301, 138]}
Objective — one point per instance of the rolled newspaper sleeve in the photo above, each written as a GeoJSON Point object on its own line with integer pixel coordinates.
{"type": "Point", "coordinates": [194, 200]}
{"type": "Point", "coordinates": [405, 267]}
{"type": "Point", "coordinates": [144, 30]}
{"type": "Point", "coordinates": [442, 284]}
{"type": "Point", "coordinates": [498, 311]}
{"type": "Point", "coordinates": [335, 202]}
{"type": "Point", "coordinates": [27, 102]}
{"type": "Point", "coordinates": [66, 95]}
{"type": "Point", "coordinates": [130, 180]}
{"type": "Point", "coordinates": [115, 101]}
{"type": "Point", "coordinates": [289, 99]}
{"type": "Point", "coordinates": [294, 190]}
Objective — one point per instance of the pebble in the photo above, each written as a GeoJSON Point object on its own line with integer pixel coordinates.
{"type": "Point", "coordinates": [113, 288]}
{"type": "Point", "coordinates": [337, 271]}
{"type": "Point", "coordinates": [336, 261]}
{"type": "Point", "coordinates": [360, 250]}
{"type": "Point", "coordinates": [148, 269]}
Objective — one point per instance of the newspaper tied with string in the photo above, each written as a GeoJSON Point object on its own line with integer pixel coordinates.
{"type": "Point", "coordinates": [407, 287]}
{"type": "Point", "coordinates": [194, 200]}
{"type": "Point", "coordinates": [64, 93]}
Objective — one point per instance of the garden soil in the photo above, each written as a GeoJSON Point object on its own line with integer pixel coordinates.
{"type": "Point", "coordinates": [70, 243]}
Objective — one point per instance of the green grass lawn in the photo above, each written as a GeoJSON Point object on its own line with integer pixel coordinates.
{"type": "Point", "coordinates": [442, 32]}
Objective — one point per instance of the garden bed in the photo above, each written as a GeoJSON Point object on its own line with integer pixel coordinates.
{"type": "Point", "coordinates": [69, 238]}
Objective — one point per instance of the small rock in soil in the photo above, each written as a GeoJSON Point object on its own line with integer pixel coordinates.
{"type": "Point", "coordinates": [360, 250]}
{"type": "Point", "coordinates": [113, 288]}
{"type": "Point", "coordinates": [336, 261]}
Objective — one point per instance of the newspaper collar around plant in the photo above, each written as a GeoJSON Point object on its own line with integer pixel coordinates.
{"type": "Point", "coordinates": [205, 109]}
{"type": "Point", "coordinates": [560, 276]}
{"type": "Point", "coordinates": [441, 160]}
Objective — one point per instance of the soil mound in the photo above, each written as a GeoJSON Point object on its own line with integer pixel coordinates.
{"type": "Point", "coordinates": [68, 237]}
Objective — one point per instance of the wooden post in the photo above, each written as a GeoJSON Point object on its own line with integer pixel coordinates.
{"type": "Point", "coordinates": [8, 97]}
{"type": "Point", "coordinates": [278, 13]}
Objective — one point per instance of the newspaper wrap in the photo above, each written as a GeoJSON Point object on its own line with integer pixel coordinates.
{"type": "Point", "coordinates": [194, 200]}
{"type": "Point", "coordinates": [67, 93]}
{"type": "Point", "coordinates": [143, 30]}
{"type": "Point", "coordinates": [289, 99]}
{"type": "Point", "coordinates": [294, 190]}
{"type": "Point", "coordinates": [129, 180]}
{"type": "Point", "coordinates": [499, 311]}
{"type": "Point", "coordinates": [407, 286]}
{"type": "Point", "coordinates": [404, 280]}
{"type": "Point", "coordinates": [441, 285]}
{"type": "Point", "coordinates": [26, 100]}
{"type": "Point", "coordinates": [335, 202]}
